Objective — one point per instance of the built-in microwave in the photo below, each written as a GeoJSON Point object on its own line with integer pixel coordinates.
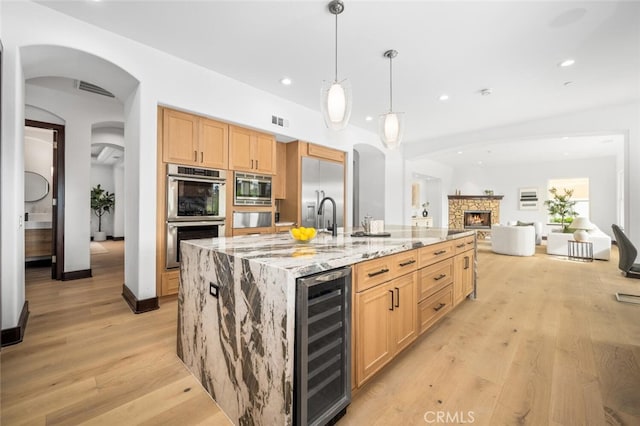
{"type": "Point", "coordinates": [252, 190]}
{"type": "Point", "coordinates": [195, 193]}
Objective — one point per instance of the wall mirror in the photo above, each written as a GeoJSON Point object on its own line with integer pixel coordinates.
{"type": "Point", "coordinates": [36, 186]}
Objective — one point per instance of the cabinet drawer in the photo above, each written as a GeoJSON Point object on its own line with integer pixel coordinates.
{"type": "Point", "coordinates": [373, 272]}
{"type": "Point", "coordinates": [435, 307]}
{"type": "Point", "coordinates": [405, 262]}
{"type": "Point", "coordinates": [434, 253]}
{"type": "Point", "coordinates": [463, 244]}
{"type": "Point", "coordinates": [170, 283]}
{"type": "Point", "coordinates": [434, 278]}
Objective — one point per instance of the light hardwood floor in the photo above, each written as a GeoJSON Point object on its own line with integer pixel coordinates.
{"type": "Point", "coordinates": [545, 343]}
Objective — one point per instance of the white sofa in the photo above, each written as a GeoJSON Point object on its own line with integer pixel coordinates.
{"type": "Point", "coordinates": [557, 243]}
{"type": "Point", "coordinates": [513, 240]}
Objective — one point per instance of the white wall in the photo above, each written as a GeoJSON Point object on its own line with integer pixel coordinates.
{"type": "Point", "coordinates": [507, 180]}
{"type": "Point", "coordinates": [119, 208]}
{"type": "Point", "coordinates": [439, 203]}
{"type": "Point", "coordinates": [372, 190]}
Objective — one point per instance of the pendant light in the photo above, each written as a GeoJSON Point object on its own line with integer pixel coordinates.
{"type": "Point", "coordinates": [336, 95]}
{"type": "Point", "coordinates": [391, 124]}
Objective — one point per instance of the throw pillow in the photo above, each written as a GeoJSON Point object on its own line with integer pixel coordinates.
{"type": "Point", "coordinates": [524, 223]}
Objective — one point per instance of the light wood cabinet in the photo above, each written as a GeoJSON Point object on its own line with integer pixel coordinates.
{"type": "Point", "coordinates": [463, 273]}
{"type": "Point", "coordinates": [192, 140]}
{"type": "Point", "coordinates": [37, 242]}
{"type": "Point", "coordinates": [325, 153]}
{"type": "Point", "coordinates": [213, 143]}
{"type": "Point", "coordinates": [400, 296]}
{"type": "Point", "coordinates": [280, 177]}
{"type": "Point", "coordinates": [386, 323]}
{"type": "Point", "coordinates": [170, 282]}
{"type": "Point", "coordinates": [251, 151]}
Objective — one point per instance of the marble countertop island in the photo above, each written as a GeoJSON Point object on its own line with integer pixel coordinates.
{"type": "Point", "coordinates": [236, 310]}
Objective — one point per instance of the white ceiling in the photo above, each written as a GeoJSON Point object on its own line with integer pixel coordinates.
{"type": "Point", "coordinates": [453, 47]}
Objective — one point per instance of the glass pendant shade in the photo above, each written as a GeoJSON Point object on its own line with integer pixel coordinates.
{"type": "Point", "coordinates": [390, 128]}
{"type": "Point", "coordinates": [336, 104]}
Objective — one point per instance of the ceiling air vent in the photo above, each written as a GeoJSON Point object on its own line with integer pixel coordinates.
{"type": "Point", "coordinates": [88, 87]}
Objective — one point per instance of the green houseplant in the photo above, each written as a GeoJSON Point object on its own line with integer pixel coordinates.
{"type": "Point", "coordinates": [560, 207]}
{"type": "Point", "coordinates": [102, 202]}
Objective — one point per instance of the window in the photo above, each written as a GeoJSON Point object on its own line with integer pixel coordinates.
{"type": "Point", "coordinates": [580, 187]}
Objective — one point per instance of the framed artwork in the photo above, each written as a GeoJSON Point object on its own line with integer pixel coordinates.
{"type": "Point", "coordinates": [528, 199]}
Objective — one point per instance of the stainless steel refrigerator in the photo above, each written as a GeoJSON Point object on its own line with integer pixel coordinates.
{"type": "Point", "coordinates": [321, 179]}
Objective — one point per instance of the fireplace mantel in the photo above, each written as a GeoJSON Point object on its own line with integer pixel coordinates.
{"type": "Point", "coordinates": [476, 197]}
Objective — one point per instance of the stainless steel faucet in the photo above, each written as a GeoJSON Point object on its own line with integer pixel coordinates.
{"type": "Point", "coordinates": [334, 230]}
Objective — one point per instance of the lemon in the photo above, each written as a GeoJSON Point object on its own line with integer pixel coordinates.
{"type": "Point", "coordinates": [296, 233]}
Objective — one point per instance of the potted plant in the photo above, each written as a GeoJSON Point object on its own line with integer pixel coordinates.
{"type": "Point", "coordinates": [560, 207]}
{"type": "Point", "coordinates": [101, 202]}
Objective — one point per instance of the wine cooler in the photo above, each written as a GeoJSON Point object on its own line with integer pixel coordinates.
{"type": "Point", "coordinates": [323, 347]}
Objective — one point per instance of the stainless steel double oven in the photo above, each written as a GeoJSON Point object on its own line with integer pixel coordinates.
{"type": "Point", "coordinates": [196, 206]}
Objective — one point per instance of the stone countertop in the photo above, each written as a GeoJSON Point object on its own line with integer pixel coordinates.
{"type": "Point", "coordinates": [325, 252]}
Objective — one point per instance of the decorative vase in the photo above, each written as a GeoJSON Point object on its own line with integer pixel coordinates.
{"type": "Point", "coordinates": [581, 235]}
{"type": "Point", "coordinates": [425, 213]}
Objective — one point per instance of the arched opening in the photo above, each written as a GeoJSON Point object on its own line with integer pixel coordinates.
{"type": "Point", "coordinates": [61, 82]}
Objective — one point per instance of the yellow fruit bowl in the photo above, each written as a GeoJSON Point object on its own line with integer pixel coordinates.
{"type": "Point", "coordinates": [302, 234]}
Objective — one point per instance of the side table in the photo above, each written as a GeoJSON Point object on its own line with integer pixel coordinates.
{"type": "Point", "coordinates": [580, 250]}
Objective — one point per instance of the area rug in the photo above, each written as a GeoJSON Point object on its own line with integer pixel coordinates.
{"type": "Point", "coordinates": [97, 248]}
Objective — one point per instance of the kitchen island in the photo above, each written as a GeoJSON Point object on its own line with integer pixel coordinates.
{"type": "Point", "coordinates": [237, 304]}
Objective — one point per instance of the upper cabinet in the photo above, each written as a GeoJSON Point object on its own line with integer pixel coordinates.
{"type": "Point", "coordinates": [192, 140]}
{"type": "Point", "coordinates": [251, 151]}
{"type": "Point", "coordinates": [280, 177]}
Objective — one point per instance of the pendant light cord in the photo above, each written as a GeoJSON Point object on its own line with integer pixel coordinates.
{"type": "Point", "coordinates": [390, 84]}
{"type": "Point", "coordinates": [336, 48]}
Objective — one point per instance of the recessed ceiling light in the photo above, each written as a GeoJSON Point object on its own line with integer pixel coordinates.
{"type": "Point", "coordinates": [567, 63]}
{"type": "Point", "coordinates": [480, 163]}
{"type": "Point", "coordinates": [444, 97]}
{"type": "Point", "coordinates": [459, 152]}
{"type": "Point", "coordinates": [564, 138]}
{"type": "Point", "coordinates": [368, 118]}
{"type": "Point", "coordinates": [566, 153]}
{"type": "Point", "coordinates": [285, 81]}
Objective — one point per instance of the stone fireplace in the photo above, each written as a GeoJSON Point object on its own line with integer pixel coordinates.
{"type": "Point", "coordinates": [482, 211]}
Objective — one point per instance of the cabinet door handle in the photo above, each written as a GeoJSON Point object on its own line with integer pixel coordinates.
{"type": "Point", "coordinates": [202, 156]}
{"type": "Point", "coordinates": [439, 252]}
{"type": "Point", "coordinates": [408, 262]}
{"type": "Point", "coordinates": [381, 271]}
{"type": "Point", "coordinates": [470, 242]}
{"type": "Point", "coordinates": [397, 297]}
{"type": "Point", "coordinates": [460, 245]}
{"type": "Point", "coordinates": [439, 277]}
{"type": "Point", "coordinates": [252, 164]}
{"type": "Point", "coordinates": [466, 262]}
{"type": "Point", "coordinates": [256, 164]}
{"type": "Point", "coordinates": [195, 155]}
{"type": "Point", "coordinates": [440, 306]}
{"type": "Point", "coordinates": [391, 308]}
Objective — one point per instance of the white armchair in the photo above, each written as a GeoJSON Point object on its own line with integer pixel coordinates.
{"type": "Point", "coordinates": [513, 240]}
